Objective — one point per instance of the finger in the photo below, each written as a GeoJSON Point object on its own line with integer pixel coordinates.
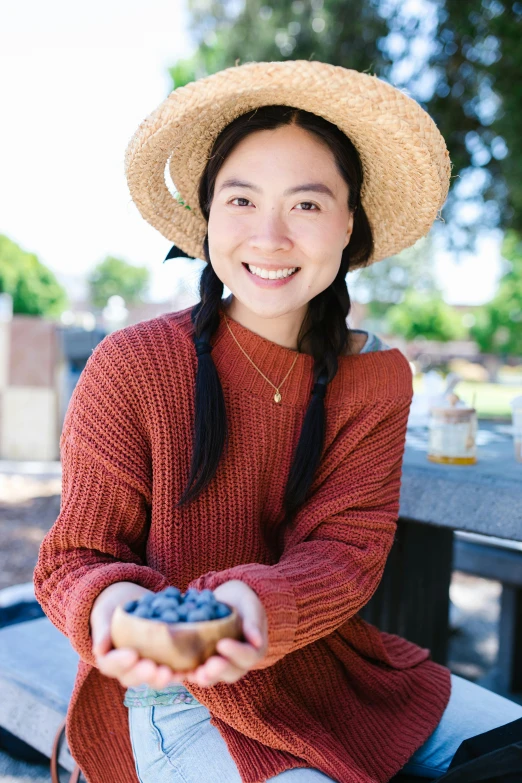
{"type": "Point", "coordinates": [214, 670]}
{"type": "Point", "coordinates": [170, 677]}
{"type": "Point", "coordinates": [253, 634]}
{"type": "Point", "coordinates": [163, 677]}
{"type": "Point", "coordinates": [143, 673]}
{"type": "Point", "coordinates": [102, 646]}
{"type": "Point", "coordinates": [101, 640]}
{"type": "Point", "coordinates": [239, 653]}
{"type": "Point", "coordinates": [117, 661]}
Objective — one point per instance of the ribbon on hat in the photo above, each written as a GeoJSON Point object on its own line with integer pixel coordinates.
{"type": "Point", "coordinates": [176, 252]}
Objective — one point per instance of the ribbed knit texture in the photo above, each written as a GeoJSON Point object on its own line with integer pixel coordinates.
{"type": "Point", "coordinates": [333, 692]}
{"type": "Point", "coordinates": [143, 696]}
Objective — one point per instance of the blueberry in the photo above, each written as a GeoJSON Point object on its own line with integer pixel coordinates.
{"type": "Point", "coordinates": [172, 592]}
{"type": "Point", "coordinates": [142, 611]}
{"type": "Point", "coordinates": [205, 597]}
{"type": "Point", "coordinates": [170, 617]}
{"type": "Point", "coordinates": [163, 603]}
{"type": "Point", "coordinates": [183, 610]}
{"type": "Point", "coordinates": [197, 615]}
{"type": "Point", "coordinates": [130, 606]}
{"type": "Point", "coordinates": [222, 611]}
{"type": "Point", "coordinates": [171, 607]}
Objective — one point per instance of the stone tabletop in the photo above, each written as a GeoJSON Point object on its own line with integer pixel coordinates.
{"type": "Point", "coordinates": [484, 498]}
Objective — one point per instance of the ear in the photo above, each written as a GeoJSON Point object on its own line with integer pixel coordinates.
{"type": "Point", "coordinates": [349, 230]}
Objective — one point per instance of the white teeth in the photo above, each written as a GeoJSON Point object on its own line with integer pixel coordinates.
{"type": "Point", "coordinates": [273, 274]}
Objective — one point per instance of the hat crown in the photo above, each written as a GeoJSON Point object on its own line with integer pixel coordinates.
{"type": "Point", "coordinates": [405, 161]}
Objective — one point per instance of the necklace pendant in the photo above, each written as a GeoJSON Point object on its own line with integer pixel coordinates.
{"type": "Point", "coordinates": [277, 397]}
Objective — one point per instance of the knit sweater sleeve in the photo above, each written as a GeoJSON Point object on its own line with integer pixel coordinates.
{"type": "Point", "coordinates": [336, 548]}
{"type": "Point", "coordinates": [100, 534]}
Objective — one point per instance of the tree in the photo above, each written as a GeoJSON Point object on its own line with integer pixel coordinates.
{"type": "Point", "coordinates": [498, 328]}
{"type": "Point", "coordinates": [458, 58]}
{"type": "Point", "coordinates": [468, 83]}
{"type": "Point", "coordinates": [384, 284]}
{"type": "Point", "coordinates": [425, 315]}
{"type": "Point", "coordinates": [336, 31]}
{"type": "Point", "coordinates": [115, 276]}
{"type": "Point", "coordinates": [32, 286]}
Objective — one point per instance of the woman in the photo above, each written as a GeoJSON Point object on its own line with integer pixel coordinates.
{"type": "Point", "coordinates": [288, 175]}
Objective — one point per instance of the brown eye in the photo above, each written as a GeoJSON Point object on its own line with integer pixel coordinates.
{"type": "Point", "coordinates": [311, 204]}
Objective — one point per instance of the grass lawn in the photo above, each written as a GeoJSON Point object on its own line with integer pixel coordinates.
{"type": "Point", "coordinates": [492, 400]}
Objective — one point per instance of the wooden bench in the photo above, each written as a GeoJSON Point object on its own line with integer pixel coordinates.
{"type": "Point", "coordinates": [501, 560]}
{"type": "Point", "coordinates": [37, 673]}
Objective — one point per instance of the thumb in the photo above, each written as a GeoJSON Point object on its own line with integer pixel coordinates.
{"type": "Point", "coordinates": [101, 637]}
{"type": "Point", "coordinates": [253, 634]}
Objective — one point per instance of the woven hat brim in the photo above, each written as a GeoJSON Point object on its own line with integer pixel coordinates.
{"type": "Point", "coordinates": [405, 160]}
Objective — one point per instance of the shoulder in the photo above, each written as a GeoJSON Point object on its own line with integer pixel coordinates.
{"type": "Point", "coordinates": [373, 372]}
{"type": "Point", "coordinates": [364, 342]}
{"type": "Point", "coordinates": [164, 338]}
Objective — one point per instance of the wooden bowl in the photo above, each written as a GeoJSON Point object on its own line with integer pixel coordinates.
{"type": "Point", "coordinates": [182, 646]}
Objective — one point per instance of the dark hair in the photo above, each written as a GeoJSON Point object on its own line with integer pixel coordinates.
{"type": "Point", "coordinates": [324, 327]}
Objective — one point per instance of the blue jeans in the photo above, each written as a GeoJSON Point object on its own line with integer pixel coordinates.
{"type": "Point", "coordinates": [181, 746]}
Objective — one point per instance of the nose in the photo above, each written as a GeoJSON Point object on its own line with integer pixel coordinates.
{"type": "Point", "coordinates": [270, 234]}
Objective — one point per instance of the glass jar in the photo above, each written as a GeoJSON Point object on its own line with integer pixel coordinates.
{"type": "Point", "coordinates": [453, 435]}
{"type": "Point", "coordinates": [516, 411]}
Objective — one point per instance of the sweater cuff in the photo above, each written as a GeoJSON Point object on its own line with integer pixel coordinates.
{"type": "Point", "coordinates": [278, 599]}
{"type": "Point", "coordinates": [88, 587]}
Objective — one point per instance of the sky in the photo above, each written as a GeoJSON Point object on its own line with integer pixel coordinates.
{"type": "Point", "coordinates": [76, 80]}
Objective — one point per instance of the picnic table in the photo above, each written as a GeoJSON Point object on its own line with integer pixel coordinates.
{"type": "Point", "coordinates": [466, 517]}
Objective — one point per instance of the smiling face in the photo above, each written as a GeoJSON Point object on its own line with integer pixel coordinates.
{"type": "Point", "coordinates": [279, 204]}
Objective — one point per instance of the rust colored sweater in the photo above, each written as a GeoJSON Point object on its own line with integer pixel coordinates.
{"type": "Point", "coordinates": [333, 692]}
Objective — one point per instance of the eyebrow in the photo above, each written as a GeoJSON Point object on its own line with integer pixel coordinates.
{"type": "Point", "coordinates": [316, 187]}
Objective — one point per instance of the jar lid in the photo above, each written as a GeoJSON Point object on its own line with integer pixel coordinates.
{"type": "Point", "coordinates": [454, 414]}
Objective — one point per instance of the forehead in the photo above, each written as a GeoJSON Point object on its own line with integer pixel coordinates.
{"type": "Point", "coordinates": [287, 151]}
{"type": "Point", "coordinates": [291, 139]}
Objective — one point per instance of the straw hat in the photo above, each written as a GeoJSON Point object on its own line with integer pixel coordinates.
{"type": "Point", "coordinates": [405, 161]}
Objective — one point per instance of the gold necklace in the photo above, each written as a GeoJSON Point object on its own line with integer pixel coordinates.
{"type": "Point", "coordinates": [277, 395]}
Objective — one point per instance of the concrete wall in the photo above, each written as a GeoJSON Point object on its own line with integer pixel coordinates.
{"type": "Point", "coordinates": [30, 371]}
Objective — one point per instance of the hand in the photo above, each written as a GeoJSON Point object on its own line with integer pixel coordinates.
{"type": "Point", "coordinates": [236, 658]}
{"type": "Point", "coordinates": [124, 663]}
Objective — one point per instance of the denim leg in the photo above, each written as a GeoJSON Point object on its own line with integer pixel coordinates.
{"type": "Point", "coordinates": [182, 746]}
{"type": "Point", "coordinates": [179, 746]}
{"type": "Point", "coordinates": [301, 775]}
{"type": "Point", "coordinates": [471, 710]}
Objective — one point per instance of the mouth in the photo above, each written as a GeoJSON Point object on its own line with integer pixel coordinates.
{"type": "Point", "coordinates": [272, 281]}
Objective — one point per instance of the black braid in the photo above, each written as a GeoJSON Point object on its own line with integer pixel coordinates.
{"type": "Point", "coordinates": [324, 332]}
{"type": "Point", "coordinates": [326, 318]}
{"type": "Point", "coordinates": [210, 425]}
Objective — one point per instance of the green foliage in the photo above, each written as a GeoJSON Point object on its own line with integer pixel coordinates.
{"type": "Point", "coordinates": [336, 31]}
{"type": "Point", "coordinates": [425, 315]}
{"type": "Point", "coordinates": [465, 76]}
{"type": "Point", "coordinates": [385, 283]}
{"type": "Point", "coordinates": [32, 286]}
{"type": "Point", "coordinates": [115, 276]}
{"type": "Point", "coordinates": [477, 103]}
{"type": "Point", "coordinates": [498, 328]}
